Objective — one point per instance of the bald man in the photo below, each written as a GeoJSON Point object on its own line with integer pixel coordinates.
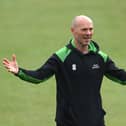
{"type": "Point", "coordinates": [79, 68]}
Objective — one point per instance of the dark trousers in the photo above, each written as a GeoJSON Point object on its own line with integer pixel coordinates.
{"type": "Point", "coordinates": [101, 124]}
{"type": "Point", "coordinates": [69, 125]}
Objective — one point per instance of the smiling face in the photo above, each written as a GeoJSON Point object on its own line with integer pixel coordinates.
{"type": "Point", "coordinates": [82, 30]}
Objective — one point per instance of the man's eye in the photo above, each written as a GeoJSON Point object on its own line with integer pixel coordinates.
{"type": "Point", "coordinates": [84, 29]}
{"type": "Point", "coordinates": [91, 29]}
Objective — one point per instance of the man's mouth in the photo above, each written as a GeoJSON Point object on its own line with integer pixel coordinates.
{"type": "Point", "coordinates": [87, 37]}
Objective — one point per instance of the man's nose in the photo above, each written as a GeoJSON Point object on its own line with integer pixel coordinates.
{"type": "Point", "coordinates": [88, 32]}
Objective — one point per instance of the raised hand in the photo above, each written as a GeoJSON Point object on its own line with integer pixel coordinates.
{"type": "Point", "coordinates": [12, 65]}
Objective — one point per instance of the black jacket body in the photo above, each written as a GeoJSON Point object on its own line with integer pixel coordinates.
{"type": "Point", "coordinates": [78, 82]}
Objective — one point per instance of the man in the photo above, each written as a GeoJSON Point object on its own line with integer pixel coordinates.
{"type": "Point", "coordinates": [79, 68]}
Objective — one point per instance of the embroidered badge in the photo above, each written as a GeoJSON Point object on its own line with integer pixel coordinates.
{"type": "Point", "coordinates": [74, 67]}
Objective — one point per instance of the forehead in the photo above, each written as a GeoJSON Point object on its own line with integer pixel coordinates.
{"type": "Point", "coordinates": [82, 22]}
{"type": "Point", "coordinates": [85, 24]}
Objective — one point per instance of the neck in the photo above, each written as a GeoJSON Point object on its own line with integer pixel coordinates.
{"type": "Point", "coordinates": [82, 48]}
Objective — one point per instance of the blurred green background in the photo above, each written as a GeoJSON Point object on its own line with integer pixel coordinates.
{"type": "Point", "coordinates": [33, 30]}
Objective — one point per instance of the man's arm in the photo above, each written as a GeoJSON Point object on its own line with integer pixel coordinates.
{"type": "Point", "coordinates": [114, 73]}
{"type": "Point", "coordinates": [33, 76]}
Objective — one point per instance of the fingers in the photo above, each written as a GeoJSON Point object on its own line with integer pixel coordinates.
{"type": "Point", "coordinates": [7, 66]}
{"type": "Point", "coordinates": [5, 61]}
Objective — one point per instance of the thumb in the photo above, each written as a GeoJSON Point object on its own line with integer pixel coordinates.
{"type": "Point", "coordinates": [14, 57]}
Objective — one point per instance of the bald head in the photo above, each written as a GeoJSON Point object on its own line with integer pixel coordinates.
{"type": "Point", "coordinates": [81, 19]}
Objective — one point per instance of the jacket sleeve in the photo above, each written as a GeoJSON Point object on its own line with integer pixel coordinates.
{"type": "Point", "coordinates": [114, 73]}
{"type": "Point", "coordinates": [39, 75]}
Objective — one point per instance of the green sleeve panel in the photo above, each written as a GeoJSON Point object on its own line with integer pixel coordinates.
{"type": "Point", "coordinates": [103, 55]}
{"type": "Point", "coordinates": [63, 53]}
{"type": "Point", "coordinates": [28, 78]}
{"type": "Point", "coordinates": [115, 79]}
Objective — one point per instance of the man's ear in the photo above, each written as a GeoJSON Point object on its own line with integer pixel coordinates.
{"type": "Point", "coordinates": [72, 29]}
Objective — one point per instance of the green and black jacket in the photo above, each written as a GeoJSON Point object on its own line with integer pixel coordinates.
{"type": "Point", "coordinates": [78, 81]}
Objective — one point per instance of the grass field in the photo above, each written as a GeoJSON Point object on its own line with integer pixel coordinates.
{"type": "Point", "coordinates": [33, 30]}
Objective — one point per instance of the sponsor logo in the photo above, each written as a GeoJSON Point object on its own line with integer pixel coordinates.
{"type": "Point", "coordinates": [95, 66]}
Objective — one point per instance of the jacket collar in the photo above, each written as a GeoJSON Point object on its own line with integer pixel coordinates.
{"type": "Point", "coordinates": [93, 47]}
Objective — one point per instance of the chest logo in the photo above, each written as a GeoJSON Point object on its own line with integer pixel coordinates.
{"type": "Point", "coordinates": [74, 67]}
{"type": "Point", "coordinates": [95, 66]}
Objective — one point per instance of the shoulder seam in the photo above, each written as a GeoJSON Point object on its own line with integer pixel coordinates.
{"type": "Point", "coordinates": [63, 53]}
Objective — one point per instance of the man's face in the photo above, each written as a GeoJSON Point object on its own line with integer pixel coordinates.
{"type": "Point", "coordinates": [83, 32]}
